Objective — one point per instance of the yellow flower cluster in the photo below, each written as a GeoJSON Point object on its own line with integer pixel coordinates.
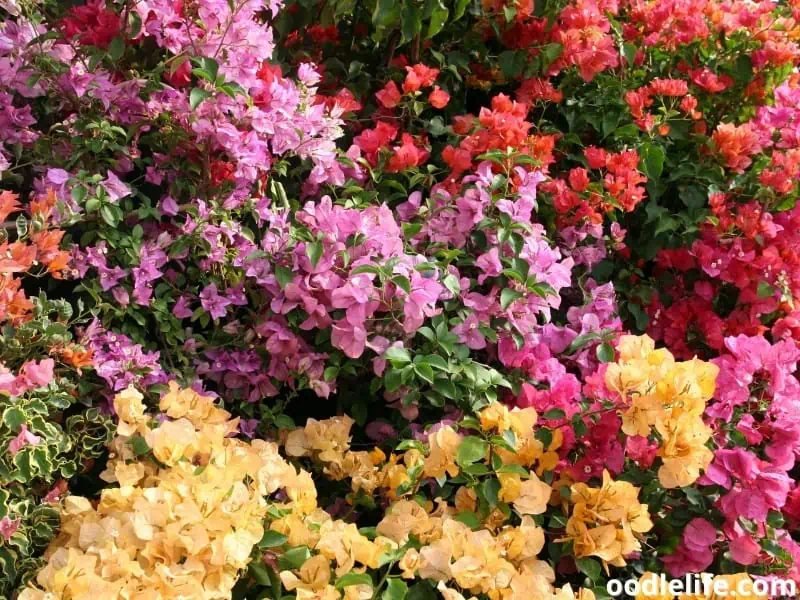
{"type": "Point", "coordinates": [180, 526]}
{"type": "Point", "coordinates": [504, 566]}
{"type": "Point", "coordinates": [191, 501]}
{"type": "Point", "coordinates": [328, 442]}
{"type": "Point", "coordinates": [667, 396]}
{"type": "Point", "coordinates": [605, 521]}
{"type": "Point", "coordinates": [529, 450]}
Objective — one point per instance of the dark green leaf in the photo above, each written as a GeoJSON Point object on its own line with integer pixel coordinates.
{"type": "Point", "coordinates": [605, 353]}
{"type": "Point", "coordinates": [314, 252]}
{"type": "Point", "coordinates": [652, 160]}
{"type": "Point", "coordinates": [271, 539]}
{"type": "Point", "coordinates": [508, 296]}
{"type": "Point", "coordinates": [196, 97]}
{"type": "Point", "coordinates": [411, 21]}
{"type": "Point", "coordinates": [396, 589]}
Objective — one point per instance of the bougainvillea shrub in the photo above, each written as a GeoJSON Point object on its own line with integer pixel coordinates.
{"type": "Point", "coordinates": [397, 299]}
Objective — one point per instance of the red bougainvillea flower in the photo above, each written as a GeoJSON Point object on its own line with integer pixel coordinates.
{"type": "Point", "coordinates": [370, 141]}
{"type": "Point", "coordinates": [438, 97]}
{"type": "Point", "coordinates": [390, 95]}
{"type": "Point", "coordinates": [93, 24]}
{"type": "Point", "coordinates": [181, 76]}
{"type": "Point", "coordinates": [221, 171]}
{"type": "Point", "coordinates": [535, 89]}
{"type": "Point", "coordinates": [706, 79]}
{"type": "Point", "coordinates": [407, 155]}
{"type": "Point", "coordinates": [669, 87]}
{"type": "Point", "coordinates": [419, 76]}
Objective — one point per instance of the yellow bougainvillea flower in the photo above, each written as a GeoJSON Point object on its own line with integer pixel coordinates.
{"type": "Point", "coordinates": [441, 460]}
{"type": "Point", "coordinates": [669, 397]}
{"type": "Point", "coordinates": [683, 450]}
{"type": "Point", "coordinates": [533, 497]}
{"type": "Point", "coordinates": [605, 521]}
{"type": "Point", "coordinates": [183, 523]}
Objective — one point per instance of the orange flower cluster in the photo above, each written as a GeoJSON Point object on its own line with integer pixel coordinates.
{"type": "Point", "coordinates": [38, 246]}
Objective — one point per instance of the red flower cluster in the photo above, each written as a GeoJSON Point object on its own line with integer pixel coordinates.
{"type": "Point", "coordinates": [499, 128]}
{"type": "Point", "coordinates": [640, 99]}
{"type": "Point", "coordinates": [93, 24]}
{"type": "Point", "coordinates": [577, 198]}
{"type": "Point", "coordinates": [735, 145]}
{"type": "Point", "coordinates": [761, 262]}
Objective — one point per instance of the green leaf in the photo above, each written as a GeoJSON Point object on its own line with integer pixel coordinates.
{"type": "Point", "coordinates": [134, 23]}
{"type": "Point", "coordinates": [490, 488]}
{"type": "Point", "coordinates": [554, 413]}
{"type": "Point", "coordinates": [116, 49]}
{"type": "Point", "coordinates": [14, 418]}
{"type": "Point", "coordinates": [397, 354]}
{"type": "Point", "coordinates": [652, 160]}
{"type": "Point", "coordinates": [109, 214]}
{"type": "Point", "coordinates": [589, 567]}
{"type": "Point", "coordinates": [314, 252]}
{"type": "Point", "coordinates": [765, 290]}
{"type": "Point", "coordinates": [605, 353]}
{"type": "Point", "coordinates": [446, 388]}
{"type": "Point", "coordinates": [353, 579]}
{"type": "Point", "coordinates": [207, 64]}
{"type": "Point", "coordinates": [411, 21]}
{"type": "Point", "coordinates": [196, 97]}
{"type": "Point", "coordinates": [629, 50]}
{"type": "Point", "coordinates": [283, 275]}
{"type": "Point", "coordinates": [452, 284]}
{"type": "Point", "coordinates": [508, 296]}
{"type": "Point", "coordinates": [471, 450]}
{"type": "Point", "coordinates": [438, 19]}
{"type": "Point", "coordinates": [424, 371]}
{"type": "Point", "coordinates": [550, 53]}
{"type": "Point", "coordinates": [294, 558]}
{"type": "Point", "coordinates": [260, 573]}
{"type": "Point", "coordinates": [271, 539]}
{"type": "Point", "coordinates": [461, 7]}
{"type": "Point", "coordinates": [468, 518]}
{"type": "Point", "coordinates": [396, 589]}
{"type": "Point", "coordinates": [139, 445]}
{"type": "Point", "coordinates": [386, 13]}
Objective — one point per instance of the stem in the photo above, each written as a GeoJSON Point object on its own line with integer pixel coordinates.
{"type": "Point", "coordinates": [383, 580]}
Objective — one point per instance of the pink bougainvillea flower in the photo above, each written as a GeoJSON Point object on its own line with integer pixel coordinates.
{"type": "Point", "coordinates": [8, 527]}
{"type": "Point", "coordinates": [24, 438]}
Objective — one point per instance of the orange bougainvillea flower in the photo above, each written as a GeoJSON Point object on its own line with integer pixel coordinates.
{"type": "Point", "coordinates": [76, 356]}
{"type": "Point", "coordinates": [14, 306]}
{"type": "Point", "coordinates": [43, 205]}
{"type": "Point", "coordinates": [49, 254]}
{"type": "Point", "coordinates": [8, 204]}
{"type": "Point", "coordinates": [16, 257]}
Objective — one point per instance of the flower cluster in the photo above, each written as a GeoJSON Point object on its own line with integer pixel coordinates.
{"type": "Point", "coordinates": [182, 524]}
{"type": "Point", "coordinates": [668, 397]}
{"type": "Point", "coordinates": [412, 247]}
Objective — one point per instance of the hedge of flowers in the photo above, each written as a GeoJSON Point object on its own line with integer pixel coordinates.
{"type": "Point", "coordinates": [373, 299]}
